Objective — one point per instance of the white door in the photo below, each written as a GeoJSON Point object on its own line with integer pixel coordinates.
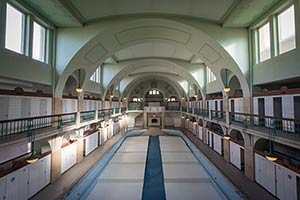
{"type": "Point", "coordinates": [266, 173]}
{"type": "Point", "coordinates": [47, 169]}
{"type": "Point", "coordinates": [4, 102]}
{"type": "Point", "coordinates": [217, 143]}
{"type": "Point", "coordinates": [2, 187]}
{"type": "Point", "coordinates": [25, 107]}
{"type": "Point", "coordinates": [200, 132]}
{"type": "Point", "coordinates": [14, 111]}
{"type": "Point", "coordinates": [36, 177]}
{"type": "Point", "coordinates": [17, 185]}
{"type": "Point", "coordinates": [286, 183]}
{"type": "Point", "coordinates": [235, 154]}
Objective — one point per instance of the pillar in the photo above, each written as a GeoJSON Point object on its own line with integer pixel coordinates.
{"type": "Point", "coordinates": [204, 135]}
{"type": "Point", "coordinates": [79, 109]}
{"type": "Point", "coordinates": [55, 144]}
{"type": "Point", "coordinates": [145, 119]}
{"type": "Point", "coordinates": [249, 155]}
{"type": "Point", "coordinates": [226, 109]}
{"type": "Point", "coordinates": [80, 145]}
{"type": "Point", "coordinates": [57, 105]}
{"type": "Point", "coordinates": [163, 120]}
{"type": "Point", "coordinates": [247, 109]}
{"type": "Point", "coordinates": [226, 145]}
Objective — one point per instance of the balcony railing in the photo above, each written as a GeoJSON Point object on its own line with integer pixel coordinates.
{"type": "Point", "coordinates": [201, 112]}
{"type": "Point", "coordinates": [282, 126]}
{"type": "Point", "coordinates": [134, 109]}
{"type": "Point", "coordinates": [183, 109]}
{"type": "Point", "coordinates": [105, 112]}
{"type": "Point", "coordinates": [19, 127]}
{"type": "Point", "coordinates": [87, 116]}
{"type": "Point", "coordinates": [218, 115]}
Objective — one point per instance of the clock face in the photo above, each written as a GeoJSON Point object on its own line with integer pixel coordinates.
{"type": "Point", "coordinates": [154, 84]}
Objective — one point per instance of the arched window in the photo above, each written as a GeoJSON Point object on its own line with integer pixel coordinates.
{"type": "Point", "coordinates": [154, 92]}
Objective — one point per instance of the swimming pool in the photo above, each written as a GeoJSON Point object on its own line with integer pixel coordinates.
{"type": "Point", "coordinates": [181, 172]}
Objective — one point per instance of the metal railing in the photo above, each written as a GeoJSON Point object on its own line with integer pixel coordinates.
{"type": "Point", "coordinates": [183, 109]}
{"type": "Point", "coordinates": [218, 115]}
{"type": "Point", "coordinates": [134, 109]}
{"type": "Point", "coordinates": [175, 108]}
{"type": "Point", "coordinates": [18, 127]}
{"type": "Point", "coordinates": [87, 116]}
{"type": "Point", "coordinates": [282, 126]}
{"type": "Point", "coordinates": [105, 112]}
{"type": "Point", "coordinates": [201, 112]}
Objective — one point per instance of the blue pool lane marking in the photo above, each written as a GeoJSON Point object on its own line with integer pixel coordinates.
{"type": "Point", "coordinates": [154, 187]}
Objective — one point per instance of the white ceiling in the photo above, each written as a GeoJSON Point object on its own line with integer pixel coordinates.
{"type": "Point", "coordinates": [208, 9]}
{"type": "Point", "coordinates": [146, 50]}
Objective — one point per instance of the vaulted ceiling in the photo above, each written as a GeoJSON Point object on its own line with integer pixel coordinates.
{"type": "Point", "coordinates": [229, 13]}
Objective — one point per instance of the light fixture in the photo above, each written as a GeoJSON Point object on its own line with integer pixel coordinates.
{"type": "Point", "coordinates": [227, 88]}
{"type": "Point", "coordinates": [226, 137]}
{"type": "Point", "coordinates": [182, 117]}
{"type": "Point", "coordinates": [111, 96]}
{"type": "Point", "coordinates": [33, 157]}
{"type": "Point", "coordinates": [79, 88]}
{"type": "Point", "coordinates": [271, 156]}
{"type": "Point", "coordinates": [187, 119]}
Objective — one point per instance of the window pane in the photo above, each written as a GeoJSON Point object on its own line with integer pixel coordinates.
{"type": "Point", "coordinates": [14, 29]}
{"type": "Point", "coordinates": [264, 42]}
{"type": "Point", "coordinates": [286, 30]}
{"type": "Point", "coordinates": [38, 47]}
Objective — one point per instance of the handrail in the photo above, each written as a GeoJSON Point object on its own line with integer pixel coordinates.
{"type": "Point", "coordinates": [18, 127]}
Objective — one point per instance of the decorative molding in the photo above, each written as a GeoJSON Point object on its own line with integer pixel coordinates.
{"type": "Point", "coordinates": [95, 54]}
{"type": "Point", "coordinates": [209, 53]}
{"type": "Point", "coordinates": [152, 32]}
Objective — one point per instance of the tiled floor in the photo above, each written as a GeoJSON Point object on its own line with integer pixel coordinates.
{"type": "Point", "coordinates": [123, 177]}
{"type": "Point", "coordinates": [184, 177]}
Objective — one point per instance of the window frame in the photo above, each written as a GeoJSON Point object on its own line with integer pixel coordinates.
{"type": "Point", "coordinates": [23, 34]}
{"type": "Point", "coordinates": [278, 31]}
{"type": "Point", "coordinates": [258, 41]}
{"type": "Point", "coordinates": [45, 41]}
{"type": "Point", "coordinates": [30, 16]}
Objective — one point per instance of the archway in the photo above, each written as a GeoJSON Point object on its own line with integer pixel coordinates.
{"type": "Point", "coordinates": [105, 44]}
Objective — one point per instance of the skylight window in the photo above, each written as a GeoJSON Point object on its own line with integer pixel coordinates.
{"type": "Point", "coordinates": [39, 42]}
{"type": "Point", "coordinates": [264, 42]}
{"type": "Point", "coordinates": [14, 30]}
{"type": "Point", "coordinates": [286, 30]}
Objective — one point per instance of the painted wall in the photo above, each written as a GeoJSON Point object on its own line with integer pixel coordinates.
{"type": "Point", "coordinates": [280, 67]}
{"type": "Point", "coordinates": [70, 40]}
{"type": "Point", "coordinates": [20, 67]}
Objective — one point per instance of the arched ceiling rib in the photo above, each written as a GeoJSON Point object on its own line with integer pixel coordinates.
{"type": "Point", "coordinates": [158, 66]}
{"type": "Point", "coordinates": [142, 78]}
{"type": "Point", "coordinates": [107, 43]}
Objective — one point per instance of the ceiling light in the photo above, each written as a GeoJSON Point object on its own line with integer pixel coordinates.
{"type": "Point", "coordinates": [79, 88]}
{"type": "Point", "coordinates": [271, 157]}
{"type": "Point", "coordinates": [227, 88]}
{"type": "Point", "coordinates": [226, 137]}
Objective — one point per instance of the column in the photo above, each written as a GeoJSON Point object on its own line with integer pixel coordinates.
{"type": "Point", "coordinates": [80, 145]}
{"type": "Point", "coordinates": [163, 120]}
{"type": "Point", "coordinates": [226, 145]}
{"type": "Point", "coordinates": [145, 119]}
{"type": "Point", "coordinates": [249, 155]}
{"type": "Point", "coordinates": [247, 109]}
{"type": "Point", "coordinates": [55, 144]}
{"type": "Point", "coordinates": [79, 109]}
{"type": "Point", "coordinates": [226, 109]}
